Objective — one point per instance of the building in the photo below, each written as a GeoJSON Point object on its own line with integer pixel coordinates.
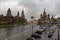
{"type": "Point", "coordinates": [20, 19]}
{"type": "Point", "coordinates": [1, 17]}
{"type": "Point", "coordinates": [17, 17]}
{"type": "Point", "coordinates": [10, 19]}
{"type": "Point", "coordinates": [45, 18]}
{"type": "Point", "coordinates": [34, 22]}
{"type": "Point", "coordinates": [58, 20]}
{"type": "Point", "coordinates": [23, 19]}
{"type": "Point", "coordinates": [22, 15]}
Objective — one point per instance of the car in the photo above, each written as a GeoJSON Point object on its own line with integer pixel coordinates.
{"type": "Point", "coordinates": [52, 29]}
{"type": "Point", "coordinates": [41, 29]}
{"type": "Point", "coordinates": [35, 36]}
{"type": "Point", "coordinates": [50, 34]}
{"type": "Point", "coordinates": [29, 38]}
{"type": "Point", "coordinates": [38, 32]}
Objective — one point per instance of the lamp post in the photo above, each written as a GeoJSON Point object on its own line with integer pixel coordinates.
{"type": "Point", "coordinates": [32, 17]}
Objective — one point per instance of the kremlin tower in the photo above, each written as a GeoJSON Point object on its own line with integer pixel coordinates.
{"type": "Point", "coordinates": [9, 18]}
{"type": "Point", "coordinates": [22, 15]}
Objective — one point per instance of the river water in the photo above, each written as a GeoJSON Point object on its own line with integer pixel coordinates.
{"type": "Point", "coordinates": [6, 33]}
{"type": "Point", "coordinates": [21, 32]}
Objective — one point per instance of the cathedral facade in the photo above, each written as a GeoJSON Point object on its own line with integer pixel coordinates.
{"type": "Point", "coordinates": [13, 19]}
{"type": "Point", "coordinates": [9, 18]}
{"type": "Point", "coordinates": [45, 18]}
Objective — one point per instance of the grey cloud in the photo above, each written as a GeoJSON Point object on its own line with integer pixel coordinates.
{"type": "Point", "coordinates": [3, 0]}
{"type": "Point", "coordinates": [31, 5]}
{"type": "Point", "coordinates": [35, 8]}
{"type": "Point", "coordinates": [28, 3]}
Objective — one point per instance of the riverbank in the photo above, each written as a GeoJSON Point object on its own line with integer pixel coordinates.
{"type": "Point", "coordinates": [10, 25]}
{"type": "Point", "coordinates": [5, 26]}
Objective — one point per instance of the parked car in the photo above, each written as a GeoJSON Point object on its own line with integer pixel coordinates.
{"type": "Point", "coordinates": [30, 38]}
{"type": "Point", "coordinates": [50, 34]}
{"type": "Point", "coordinates": [41, 29]}
{"type": "Point", "coordinates": [53, 29]}
{"type": "Point", "coordinates": [38, 32]}
{"type": "Point", "coordinates": [36, 36]}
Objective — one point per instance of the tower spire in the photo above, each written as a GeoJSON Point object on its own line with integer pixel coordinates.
{"type": "Point", "coordinates": [22, 15]}
{"type": "Point", "coordinates": [9, 12]}
{"type": "Point", "coordinates": [44, 12]}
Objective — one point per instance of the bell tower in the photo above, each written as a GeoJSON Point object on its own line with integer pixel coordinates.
{"type": "Point", "coordinates": [22, 15]}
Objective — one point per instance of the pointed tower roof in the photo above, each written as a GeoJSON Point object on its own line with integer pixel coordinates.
{"type": "Point", "coordinates": [9, 9]}
{"type": "Point", "coordinates": [22, 15]}
{"type": "Point", "coordinates": [44, 12]}
{"type": "Point", "coordinates": [9, 12]}
{"type": "Point", "coordinates": [22, 12]}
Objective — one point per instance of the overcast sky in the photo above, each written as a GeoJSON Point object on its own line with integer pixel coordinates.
{"type": "Point", "coordinates": [31, 7]}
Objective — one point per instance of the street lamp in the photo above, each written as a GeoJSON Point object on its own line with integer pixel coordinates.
{"type": "Point", "coordinates": [32, 17]}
